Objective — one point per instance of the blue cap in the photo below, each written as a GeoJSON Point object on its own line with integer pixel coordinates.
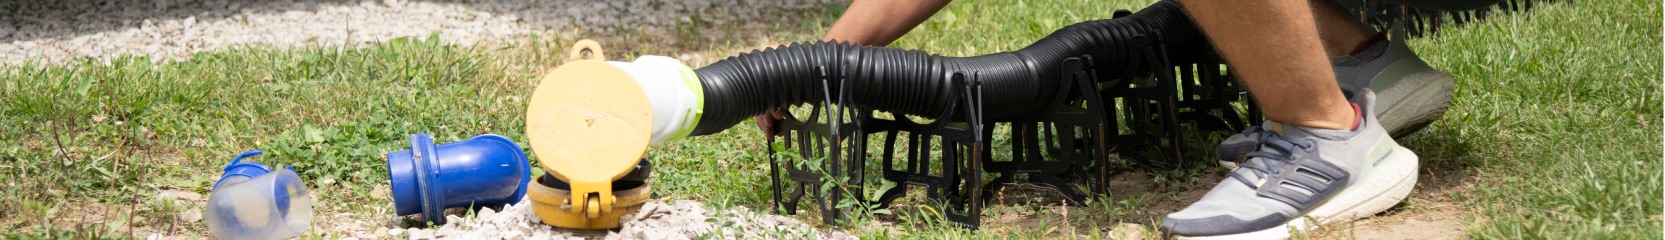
{"type": "Point", "coordinates": [238, 167]}
{"type": "Point", "coordinates": [246, 169]}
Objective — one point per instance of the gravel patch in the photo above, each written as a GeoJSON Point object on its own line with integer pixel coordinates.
{"type": "Point", "coordinates": [681, 219]}
{"type": "Point", "coordinates": [53, 31]}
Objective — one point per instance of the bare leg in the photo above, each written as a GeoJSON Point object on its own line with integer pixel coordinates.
{"type": "Point", "coordinates": [1340, 30]}
{"type": "Point", "coordinates": [1274, 46]}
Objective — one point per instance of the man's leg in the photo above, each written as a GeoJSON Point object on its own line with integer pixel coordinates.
{"type": "Point", "coordinates": [1274, 48]}
{"type": "Point", "coordinates": [1342, 32]}
{"type": "Point", "coordinates": [1342, 35]}
{"type": "Point", "coordinates": [1323, 158]}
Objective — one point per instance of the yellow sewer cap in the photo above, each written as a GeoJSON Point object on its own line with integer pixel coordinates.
{"type": "Point", "coordinates": [589, 123]}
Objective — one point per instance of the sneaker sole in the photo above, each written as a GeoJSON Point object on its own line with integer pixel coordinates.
{"type": "Point", "coordinates": [1416, 101]}
{"type": "Point", "coordinates": [1387, 185]}
{"type": "Point", "coordinates": [1228, 165]}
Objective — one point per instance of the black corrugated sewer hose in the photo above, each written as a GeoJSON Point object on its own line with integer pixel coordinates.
{"type": "Point", "coordinates": [583, 118]}
{"type": "Point", "coordinates": [917, 83]}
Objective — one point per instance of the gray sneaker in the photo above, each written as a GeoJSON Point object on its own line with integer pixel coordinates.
{"type": "Point", "coordinates": [1411, 94]}
{"type": "Point", "coordinates": [1299, 178]}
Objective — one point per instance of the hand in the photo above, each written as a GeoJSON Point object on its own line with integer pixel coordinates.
{"type": "Point", "coordinates": [766, 121]}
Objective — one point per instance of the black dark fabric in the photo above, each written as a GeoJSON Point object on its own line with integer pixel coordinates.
{"type": "Point", "coordinates": [637, 176]}
{"type": "Point", "coordinates": [918, 83]}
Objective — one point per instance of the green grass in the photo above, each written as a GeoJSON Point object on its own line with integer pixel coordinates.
{"type": "Point", "coordinates": [1554, 133]}
{"type": "Point", "coordinates": [331, 114]}
{"type": "Point", "coordinates": [1558, 112]}
{"type": "Point", "coordinates": [88, 148]}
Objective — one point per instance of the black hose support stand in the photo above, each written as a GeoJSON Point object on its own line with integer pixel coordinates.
{"type": "Point", "coordinates": [1420, 21]}
{"type": "Point", "coordinates": [1103, 109]}
{"type": "Point", "coordinates": [1117, 94]}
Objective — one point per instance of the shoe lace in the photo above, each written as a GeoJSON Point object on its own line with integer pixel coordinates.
{"type": "Point", "coordinates": [1275, 150]}
{"type": "Point", "coordinates": [1254, 132]}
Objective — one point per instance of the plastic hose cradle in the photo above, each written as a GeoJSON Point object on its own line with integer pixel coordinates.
{"type": "Point", "coordinates": [918, 83]}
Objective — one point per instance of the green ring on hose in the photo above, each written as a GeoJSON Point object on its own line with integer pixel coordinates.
{"type": "Point", "coordinates": [692, 81]}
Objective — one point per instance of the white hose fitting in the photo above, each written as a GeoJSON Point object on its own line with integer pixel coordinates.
{"type": "Point", "coordinates": [673, 90]}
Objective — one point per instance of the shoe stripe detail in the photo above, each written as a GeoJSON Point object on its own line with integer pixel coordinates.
{"type": "Point", "coordinates": [1324, 180]}
{"type": "Point", "coordinates": [1303, 190]}
{"type": "Point", "coordinates": [1313, 174]}
{"type": "Point", "coordinates": [1308, 181]}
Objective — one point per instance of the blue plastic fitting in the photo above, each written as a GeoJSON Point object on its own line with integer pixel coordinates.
{"type": "Point", "coordinates": [247, 170]}
{"type": "Point", "coordinates": [251, 201]}
{"type": "Point", "coordinates": [486, 170]}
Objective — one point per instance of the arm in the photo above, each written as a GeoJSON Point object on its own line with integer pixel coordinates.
{"type": "Point", "coordinates": [880, 22]}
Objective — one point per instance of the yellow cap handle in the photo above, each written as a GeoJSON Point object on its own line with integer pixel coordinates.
{"type": "Point", "coordinates": [587, 49]}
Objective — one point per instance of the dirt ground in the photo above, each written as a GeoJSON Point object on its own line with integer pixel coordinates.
{"type": "Point", "coordinates": [1429, 213]}
{"type": "Point", "coordinates": [681, 219]}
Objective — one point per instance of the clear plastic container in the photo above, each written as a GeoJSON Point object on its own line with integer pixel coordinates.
{"type": "Point", "coordinates": [268, 205]}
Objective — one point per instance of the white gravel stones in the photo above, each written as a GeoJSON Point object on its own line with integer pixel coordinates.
{"type": "Point", "coordinates": [59, 31]}
{"type": "Point", "coordinates": [681, 219]}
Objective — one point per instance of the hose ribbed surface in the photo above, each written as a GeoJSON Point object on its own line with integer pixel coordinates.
{"type": "Point", "coordinates": [917, 83]}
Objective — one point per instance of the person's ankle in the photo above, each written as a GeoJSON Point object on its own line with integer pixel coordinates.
{"type": "Point", "coordinates": [1352, 123]}
{"type": "Point", "coordinates": [1322, 124]}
